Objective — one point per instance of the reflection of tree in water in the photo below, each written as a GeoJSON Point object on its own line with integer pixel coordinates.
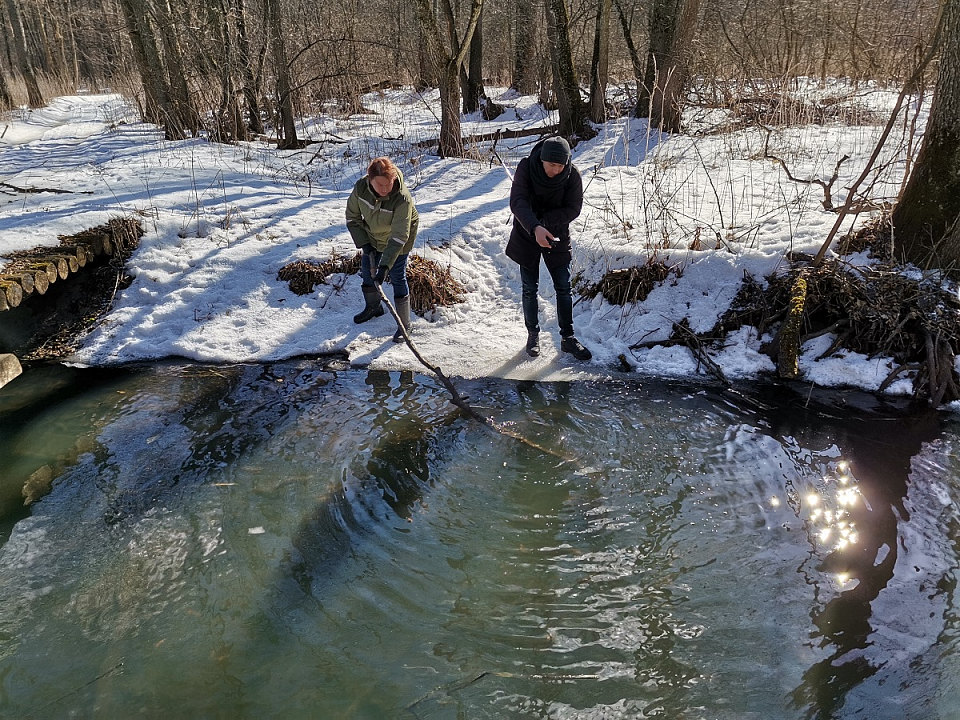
{"type": "Point", "coordinates": [210, 418]}
{"type": "Point", "coordinates": [878, 452]}
{"type": "Point", "coordinates": [391, 477]}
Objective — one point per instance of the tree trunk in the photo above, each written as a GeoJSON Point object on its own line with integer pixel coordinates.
{"type": "Point", "coordinates": [474, 88]}
{"type": "Point", "coordinates": [22, 50]}
{"type": "Point", "coordinates": [288, 139]}
{"type": "Point", "coordinates": [157, 104]}
{"type": "Point", "coordinates": [672, 23]}
{"type": "Point", "coordinates": [185, 112]}
{"type": "Point", "coordinates": [524, 69]}
{"type": "Point", "coordinates": [926, 218]}
{"type": "Point", "coordinates": [450, 140]}
{"type": "Point", "coordinates": [600, 63]}
{"type": "Point", "coordinates": [573, 114]}
{"type": "Point", "coordinates": [6, 98]}
{"type": "Point", "coordinates": [430, 56]}
{"type": "Point", "coordinates": [245, 59]}
{"type": "Point", "coordinates": [635, 61]}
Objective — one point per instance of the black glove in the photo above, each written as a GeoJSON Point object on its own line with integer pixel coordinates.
{"type": "Point", "coordinates": [381, 275]}
{"type": "Point", "coordinates": [367, 249]}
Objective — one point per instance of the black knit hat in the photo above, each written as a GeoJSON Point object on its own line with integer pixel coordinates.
{"type": "Point", "coordinates": [555, 150]}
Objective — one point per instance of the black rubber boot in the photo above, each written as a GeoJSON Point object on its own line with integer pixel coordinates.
{"type": "Point", "coordinates": [402, 306]}
{"type": "Point", "coordinates": [373, 308]}
{"type": "Point", "coordinates": [533, 344]}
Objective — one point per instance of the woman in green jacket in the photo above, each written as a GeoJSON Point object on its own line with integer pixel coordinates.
{"type": "Point", "coordinates": [383, 221]}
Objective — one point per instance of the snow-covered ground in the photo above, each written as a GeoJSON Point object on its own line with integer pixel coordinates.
{"type": "Point", "coordinates": [221, 220]}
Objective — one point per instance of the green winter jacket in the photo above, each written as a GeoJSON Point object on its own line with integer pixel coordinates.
{"type": "Point", "coordinates": [388, 223]}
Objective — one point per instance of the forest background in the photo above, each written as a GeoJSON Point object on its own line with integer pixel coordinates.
{"type": "Point", "coordinates": [234, 70]}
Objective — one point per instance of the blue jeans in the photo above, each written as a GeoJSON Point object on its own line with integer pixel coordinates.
{"type": "Point", "coordinates": [397, 274]}
{"type": "Point", "coordinates": [530, 281]}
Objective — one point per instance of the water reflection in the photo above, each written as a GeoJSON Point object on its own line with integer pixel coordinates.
{"type": "Point", "coordinates": [347, 544]}
{"type": "Point", "coordinates": [391, 472]}
{"type": "Point", "coordinates": [853, 519]}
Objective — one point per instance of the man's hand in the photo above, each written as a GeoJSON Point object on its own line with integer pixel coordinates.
{"type": "Point", "coordinates": [367, 249]}
{"type": "Point", "coordinates": [543, 236]}
{"type": "Point", "coordinates": [381, 275]}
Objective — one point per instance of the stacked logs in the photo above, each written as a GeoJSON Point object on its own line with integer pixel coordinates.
{"type": "Point", "coordinates": [36, 270]}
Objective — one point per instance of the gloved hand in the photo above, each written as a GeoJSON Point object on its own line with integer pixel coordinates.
{"type": "Point", "coordinates": [367, 249]}
{"type": "Point", "coordinates": [381, 275]}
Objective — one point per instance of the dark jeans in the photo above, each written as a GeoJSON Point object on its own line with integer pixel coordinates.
{"type": "Point", "coordinates": [530, 280]}
{"type": "Point", "coordinates": [397, 274]}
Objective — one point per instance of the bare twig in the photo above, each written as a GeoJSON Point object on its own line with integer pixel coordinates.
{"type": "Point", "coordinates": [826, 186]}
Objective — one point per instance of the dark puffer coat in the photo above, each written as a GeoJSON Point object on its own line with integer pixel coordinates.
{"type": "Point", "coordinates": [536, 199]}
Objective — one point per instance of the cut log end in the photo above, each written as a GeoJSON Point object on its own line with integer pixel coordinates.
{"type": "Point", "coordinates": [12, 293]}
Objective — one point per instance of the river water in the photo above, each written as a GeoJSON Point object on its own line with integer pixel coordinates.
{"type": "Point", "coordinates": [290, 540]}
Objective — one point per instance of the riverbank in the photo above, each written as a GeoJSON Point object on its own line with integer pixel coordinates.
{"type": "Point", "coordinates": [220, 222]}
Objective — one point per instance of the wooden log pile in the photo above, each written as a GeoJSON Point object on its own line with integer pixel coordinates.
{"type": "Point", "coordinates": [33, 271]}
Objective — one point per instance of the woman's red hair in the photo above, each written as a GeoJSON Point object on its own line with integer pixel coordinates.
{"type": "Point", "coordinates": [382, 167]}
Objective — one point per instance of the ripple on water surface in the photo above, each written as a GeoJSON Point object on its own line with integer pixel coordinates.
{"type": "Point", "coordinates": [350, 545]}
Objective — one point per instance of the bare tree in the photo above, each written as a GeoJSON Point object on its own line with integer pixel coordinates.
{"type": "Point", "coordinates": [926, 220]}
{"type": "Point", "coordinates": [450, 58]}
{"type": "Point", "coordinates": [473, 88]}
{"type": "Point", "coordinates": [6, 97]}
{"type": "Point", "coordinates": [574, 123]}
{"type": "Point", "coordinates": [174, 68]}
{"type": "Point", "coordinates": [524, 80]}
{"type": "Point", "coordinates": [288, 129]}
{"type": "Point", "coordinates": [245, 62]}
{"type": "Point", "coordinates": [158, 105]}
{"type": "Point", "coordinates": [600, 64]}
{"type": "Point", "coordinates": [672, 26]}
{"type": "Point", "coordinates": [626, 26]}
{"type": "Point", "coordinates": [21, 49]}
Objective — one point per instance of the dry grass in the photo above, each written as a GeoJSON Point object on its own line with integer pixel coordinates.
{"type": "Point", "coordinates": [627, 285]}
{"type": "Point", "coordinates": [304, 275]}
{"type": "Point", "coordinates": [431, 284]}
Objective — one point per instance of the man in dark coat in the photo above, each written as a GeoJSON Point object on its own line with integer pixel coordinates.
{"type": "Point", "coordinates": [546, 196]}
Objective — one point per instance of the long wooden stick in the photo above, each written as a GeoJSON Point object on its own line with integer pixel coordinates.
{"type": "Point", "coordinates": [456, 398]}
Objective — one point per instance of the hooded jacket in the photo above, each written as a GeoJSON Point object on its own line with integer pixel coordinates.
{"type": "Point", "coordinates": [536, 199]}
{"type": "Point", "coordinates": [388, 223]}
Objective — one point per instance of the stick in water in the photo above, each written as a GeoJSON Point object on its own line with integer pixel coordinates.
{"type": "Point", "coordinates": [457, 398]}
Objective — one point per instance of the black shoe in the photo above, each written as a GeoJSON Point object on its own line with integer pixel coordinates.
{"type": "Point", "coordinates": [571, 345]}
{"type": "Point", "coordinates": [533, 344]}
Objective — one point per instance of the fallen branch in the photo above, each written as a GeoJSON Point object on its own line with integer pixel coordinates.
{"type": "Point", "coordinates": [42, 190]}
{"type": "Point", "coordinates": [827, 187]}
{"type": "Point", "coordinates": [896, 372]}
{"type": "Point", "coordinates": [497, 135]}
{"type": "Point", "coordinates": [689, 338]}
